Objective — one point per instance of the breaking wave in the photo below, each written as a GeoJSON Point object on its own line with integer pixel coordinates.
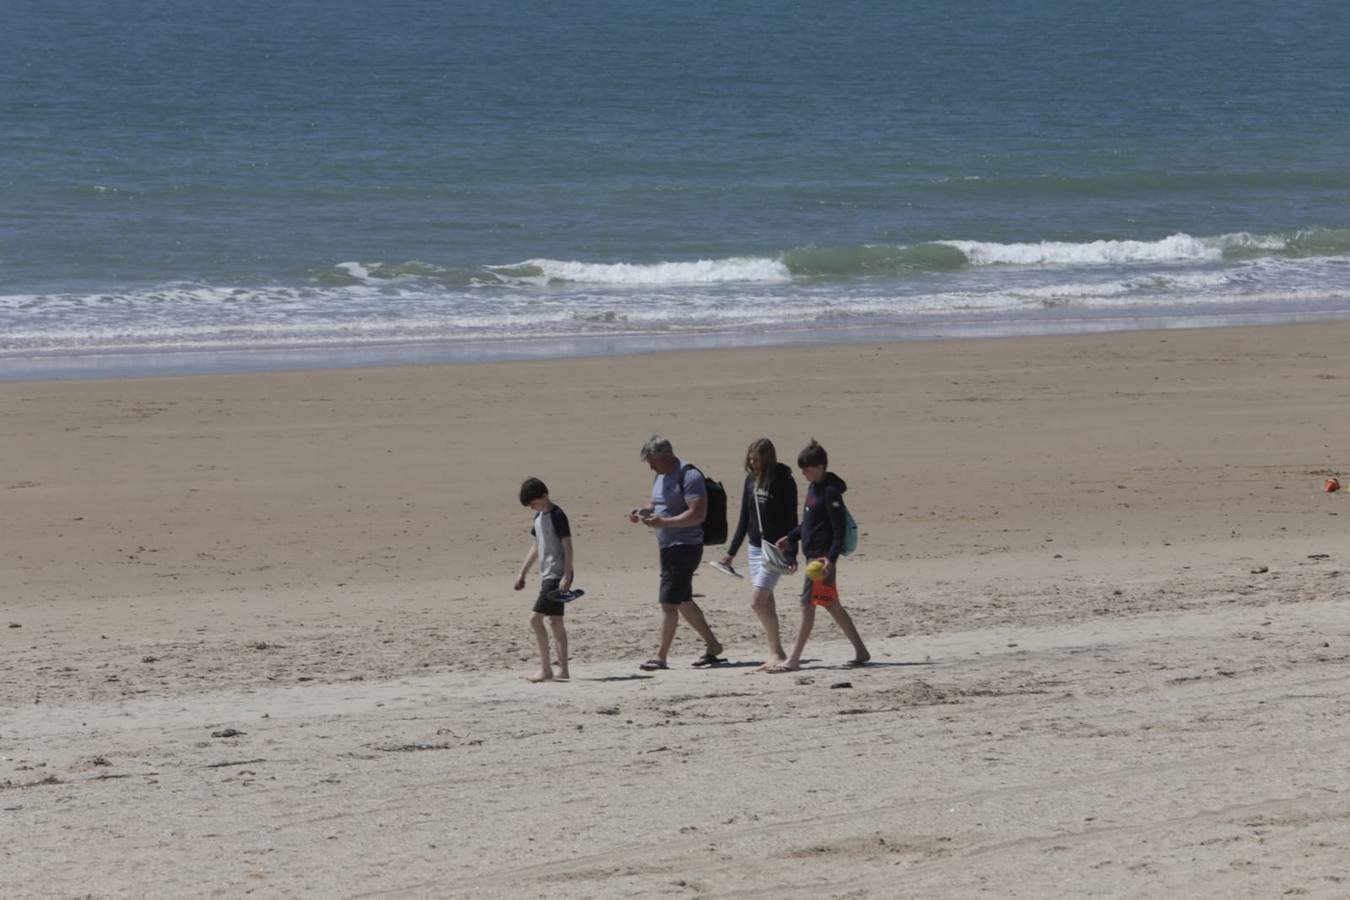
{"type": "Point", "coordinates": [703, 271]}
{"type": "Point", "coordinates": [901, 259]}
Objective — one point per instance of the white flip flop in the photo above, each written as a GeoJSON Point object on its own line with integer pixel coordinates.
{"type": "Point", "coordinates": [724, 568]}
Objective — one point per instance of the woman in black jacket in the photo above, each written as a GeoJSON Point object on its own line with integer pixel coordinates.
{"type": "Point", "coordinates": [770, 497]}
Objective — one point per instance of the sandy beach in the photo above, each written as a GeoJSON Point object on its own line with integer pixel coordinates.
{"type": "Point", "coordinates": [260, 636]}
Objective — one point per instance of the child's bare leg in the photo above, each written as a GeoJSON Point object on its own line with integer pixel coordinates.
{"type": "Point", "coordinates": [670, 618]}
{"type": "Point", "coordinates": [845, 623]}
{"type": "Point", "coordinates": [560, 641]}
{"type": "Point", "coordinates": [694, 616]}
{"type": "Point", "coordinates": [794, 661]}
{"type": "Point", "coordinates": [541, 637]}
{"type": "Point", "coordinates": [763, 604]}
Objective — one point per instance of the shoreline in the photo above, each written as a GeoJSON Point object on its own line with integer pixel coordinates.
{"type": "Point", "coordinates": [94, 365]}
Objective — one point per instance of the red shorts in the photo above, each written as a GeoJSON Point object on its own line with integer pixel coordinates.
{"type": "Point", "coordinates": [822, 592]}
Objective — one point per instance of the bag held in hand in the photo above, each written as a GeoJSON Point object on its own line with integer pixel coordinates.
{"type": "Point", "coordinates": [773, 559]}
{"type": "Point", "coordinates": [770, 557]}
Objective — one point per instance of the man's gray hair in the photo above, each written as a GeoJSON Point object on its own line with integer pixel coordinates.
{"type": "Point", "coordinates": [655, 446]}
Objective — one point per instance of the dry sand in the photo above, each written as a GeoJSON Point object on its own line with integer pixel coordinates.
{"type": "Point", "coordinates": [262, 639]}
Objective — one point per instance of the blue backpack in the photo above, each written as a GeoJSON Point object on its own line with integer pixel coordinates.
{"type": "Point", "coordinates": [850, 533]}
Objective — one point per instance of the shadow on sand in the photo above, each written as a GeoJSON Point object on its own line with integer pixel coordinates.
{"type": "Point", "coordinates": [816, 665]}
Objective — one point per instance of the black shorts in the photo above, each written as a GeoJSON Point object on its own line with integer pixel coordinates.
{"type": "Point", "coordinates": [548, 603]}
{"type": "Point", "coordinates": [678, 564]}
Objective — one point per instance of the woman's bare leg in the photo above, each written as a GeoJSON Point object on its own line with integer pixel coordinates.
{"type": "Point", "coordinates": [762, 601]}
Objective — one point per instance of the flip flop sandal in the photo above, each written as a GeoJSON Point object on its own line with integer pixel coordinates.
{"type": "Point", "coordinates": [724, 568]}
{"type": "Point", "coordinates": [708, 660]}
{"type": "Point", "coordinates": [653, 665]}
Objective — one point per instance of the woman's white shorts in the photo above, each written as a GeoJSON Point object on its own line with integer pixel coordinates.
{"type": "Point", "coordinates": [760, 577]}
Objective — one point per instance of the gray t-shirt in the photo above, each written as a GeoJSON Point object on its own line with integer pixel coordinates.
{"type": "Point", "coordinates": [549, 529]}
{"type": "Point", "coordinates": [670, 500]}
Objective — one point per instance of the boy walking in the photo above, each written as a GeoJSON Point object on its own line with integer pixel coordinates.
{"type": "Point", "coordinates": [552, 546]}
{"type": "Point", "coordinates": [821, 533]}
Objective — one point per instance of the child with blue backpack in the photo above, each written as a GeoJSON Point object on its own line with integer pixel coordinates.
{"type": "Point", "coordinates": [825, 529]}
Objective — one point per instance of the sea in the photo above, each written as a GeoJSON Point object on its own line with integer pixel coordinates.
{"type": "Point", "coordinates": [243, 185]}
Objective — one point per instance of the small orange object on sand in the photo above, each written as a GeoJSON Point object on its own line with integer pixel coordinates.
{"type": "Point", "coordinates": [1332, 485]}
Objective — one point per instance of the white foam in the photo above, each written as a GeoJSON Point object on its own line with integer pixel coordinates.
{"type": "Point", "coordinates": [630, 299]}
{"type": "Point", "coordinates": [1074, 291]}
{"type": "Point", "coordinates": [1243, 240]}
{"type": "Point", "coordinates": [1176, 248]}
{"type": "Point", "coordinates": [356, 270]}
{"type": "Point", "coordinates": [703, 271]}
{"type": "Point", "coordinates": [1191, 281]}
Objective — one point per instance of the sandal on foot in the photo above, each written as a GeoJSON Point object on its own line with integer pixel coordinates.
{"type": "Point", "coordinates": [708, 660]}
{"type": "Point", "coordinates": [653, 665]}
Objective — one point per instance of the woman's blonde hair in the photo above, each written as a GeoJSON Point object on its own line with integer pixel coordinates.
{"type": "Point", "coordinates": [763, 450]}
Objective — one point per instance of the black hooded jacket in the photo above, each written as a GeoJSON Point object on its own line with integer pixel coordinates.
{"type": "Point", "coordinates": [822, 530]}
{"type": "Point", "coordinates": [779, 510]}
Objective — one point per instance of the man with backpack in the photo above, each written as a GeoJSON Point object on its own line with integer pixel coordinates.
{"type": "Point", "coordinates": [682, 514]}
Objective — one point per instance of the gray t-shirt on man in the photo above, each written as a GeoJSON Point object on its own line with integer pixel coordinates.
{"type": "Point", "coordinates": [668, 499]}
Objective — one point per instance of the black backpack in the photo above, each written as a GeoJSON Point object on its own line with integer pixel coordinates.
{"type": "Point", "coordinates": [715, 522]}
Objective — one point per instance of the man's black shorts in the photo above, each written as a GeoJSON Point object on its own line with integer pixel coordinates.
{"type": "Point", "coordinates": [548, 603]}
{"type": "Point", "coordinates": [678, 564]}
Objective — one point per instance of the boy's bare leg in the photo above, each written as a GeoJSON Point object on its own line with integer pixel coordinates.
{"type": "Point", "coordinates": [794, 661]}
{"type": "Point", "coordinates": [541, 637]}
{"type": "Point", "coordinates": [845, 623]}
{"type": "Point", "coordinates": [694, 616]}
{"type": "Point", "coordinates": [763, 604]}
{"type": "Point", "coordinates": [560, 641]}
{"type": "Point", "coordinates": [670, 618]}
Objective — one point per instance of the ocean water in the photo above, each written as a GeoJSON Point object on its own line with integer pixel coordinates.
{"type": "Point", "coordinates": [326, 182]}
